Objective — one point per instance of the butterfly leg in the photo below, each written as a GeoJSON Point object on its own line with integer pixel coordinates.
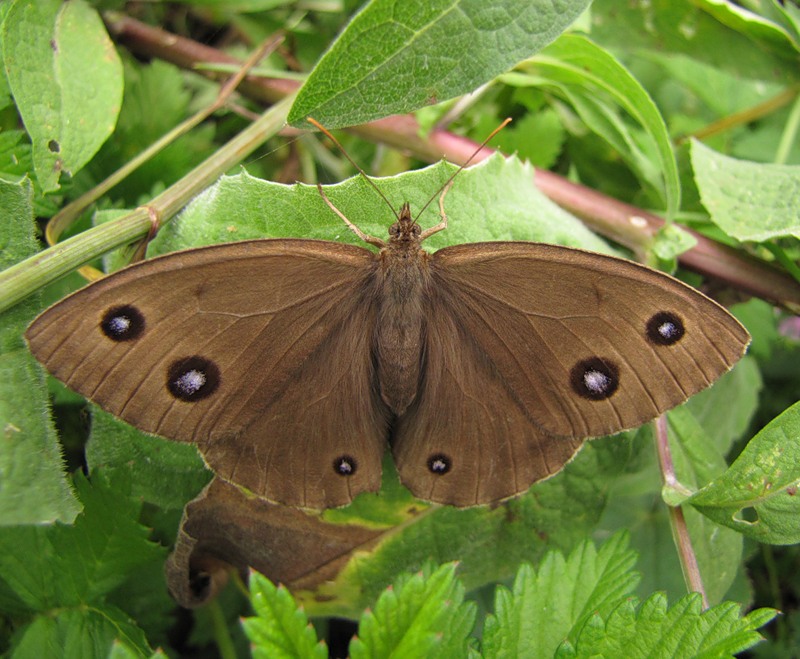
{"type": "Point", "coordinates": [372, 240]}
{"type": "Point", "coordinates": [443, 224]}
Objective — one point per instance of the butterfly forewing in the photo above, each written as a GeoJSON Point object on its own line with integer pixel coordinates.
{"type": "Point", "coordinates": [237, 348]}
{"type": "Point", "coordinates": [587, 344]}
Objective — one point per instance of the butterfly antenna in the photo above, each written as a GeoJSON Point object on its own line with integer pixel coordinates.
{"type": "Point", "coordinates": [468, 161]}
{"type": "Point", "coordinates": [326, 132]}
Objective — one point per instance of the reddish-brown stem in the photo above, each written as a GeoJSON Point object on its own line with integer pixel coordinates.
{"type": "Point", "coordinates": [680, 532]}
{"type": "Point", "coordinates": [621, 222]}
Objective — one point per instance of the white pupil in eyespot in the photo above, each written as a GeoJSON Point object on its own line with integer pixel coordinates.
{"type": "Point", "coordinates": [596, 381]}
{"type": "Point", "coordinates": [191, 382]}
{"type": "Point", "coordinates": [119, 324]}
{"type": "Point", "coordinates": [667, 329]}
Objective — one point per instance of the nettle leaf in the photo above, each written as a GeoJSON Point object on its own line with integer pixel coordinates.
{"type": "Point", "coordinates": [76, 634]}
{"type": "Point", "coordinates": [396, 57]}
{"type": "Point", "coordinates": [757, 495]}
{"type": "Point", "coordinates": [653, 630]}
{"type": "Point", "coordinates": [748, 200]}
{"type": "Point", "coordinates": [421, 615]}
{"type": "Point", "coordinates": [280, 627]}
{"type": "Point", "coordinates": [66, 79]}
{"type": "Point", "coordinates": [550, 604]}
{"type": "Point", "coordinates": [60, 575]}
{"type": "Point", "coordinates": [33, 488]}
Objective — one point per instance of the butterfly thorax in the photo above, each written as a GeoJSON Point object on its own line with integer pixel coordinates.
{"type": "Point", "coordinates": [402, 283]}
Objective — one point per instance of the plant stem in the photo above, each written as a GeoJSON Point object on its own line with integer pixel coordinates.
{"type": "Point", "coordinates": [20, 280]}
{"type": "Point", "coordinates": [789, 136]}
{"type": "Point", "coordinates": [67, 215]}
{"type": "Point", "coordinates": [680, 532]}
{"type": "Point", "coordinates": [745, 116]}
{"type": "Point", "coordinates": [222, 634]}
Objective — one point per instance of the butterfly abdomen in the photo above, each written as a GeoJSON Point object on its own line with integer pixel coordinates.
{"type": "Point", "coordinates": [402, 284]}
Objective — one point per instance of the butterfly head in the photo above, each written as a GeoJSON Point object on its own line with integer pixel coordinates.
{"type": "Point", "coordinates": [406, 229]}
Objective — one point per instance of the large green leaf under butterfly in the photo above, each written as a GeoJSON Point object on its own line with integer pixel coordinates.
{"type": "Point", "coordinates": [293, 364]}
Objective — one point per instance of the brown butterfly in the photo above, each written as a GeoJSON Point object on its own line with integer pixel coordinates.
{"type": "Point", "coordinates": [292, 364]}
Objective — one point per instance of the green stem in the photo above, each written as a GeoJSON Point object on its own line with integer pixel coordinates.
{"type": "Point", "coordinates": [22, 279]}
{"type": "Point", "coordinates": [67, 215]}
{"type": "Point", "coordinates": [780, 256]}
{"type": "Point", "coordinates": [789, 136]}
{"type": "Point", "coordinates": [222, 635]}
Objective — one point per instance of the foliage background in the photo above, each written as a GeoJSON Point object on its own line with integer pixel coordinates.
{"type": "Point", "coordinates": [610, 106]}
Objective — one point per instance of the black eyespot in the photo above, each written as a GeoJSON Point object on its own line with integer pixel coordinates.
{"type": "Point", "coordinates": [665, 329]}
{"type": "Point", "coordinates": [122, 323]}
{"type": "Point", "coordinates": [192, 378]}
{"type": "Point", "coordinates": [439, 464]}
{"type": "Point", "coordinates": [345, 465]}
{"type": "Point", "coordinates": [595, 378]}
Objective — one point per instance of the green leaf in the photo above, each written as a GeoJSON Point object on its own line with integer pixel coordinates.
{"type": "Point", "coordinates": [701, 433]}
{"type": "Point", "coordinates": [396, 57]}
{"type": "Point", "coordinates": [58, 576]}
{"type": "Point", "coordinates": [61, 566]}
{"type": "Point", "coordinates": [748, 200]}
{"type": "Point", "coordinates": [669, 27]}
{"type": "Point", "coordinates": [488, 543]}
{"type": "Point", "coordinates": [66, 79]}
{"type": "Point", "coordinates": [33, 488]}
{"type": "Point", "coordinates": [762, 482]}
{"type": "Point", "coordinates": [670, 242]}
{"type": "Point", "coordinates": [494, 200]}
{"type": "Point", "coordinates": [80, 634]}
{"type": "Point", "coordinates": [121, 650]}
{"type": "Point", "coordinates": [590, 77]}
{"type": "Point", "coordinates": [280, 628]}
{"type": "Point", "coordinates": [422, 615]}
{"type": "Point", "coordinates": [653, 630]}
{"type": "Point", "coordinates": [770, 34]}
{"type": "Point", "coordinates": [726, 409]}
{"type": "Point", "coordinates": [551, 604]}
{"type": "Point", "coordinates": [161, 472]}
{"type": "Point", "coordinates": [157, 84]}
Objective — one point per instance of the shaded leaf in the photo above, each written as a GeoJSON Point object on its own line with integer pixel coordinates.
{"type": "Point", "coordinates": [60, 575]}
